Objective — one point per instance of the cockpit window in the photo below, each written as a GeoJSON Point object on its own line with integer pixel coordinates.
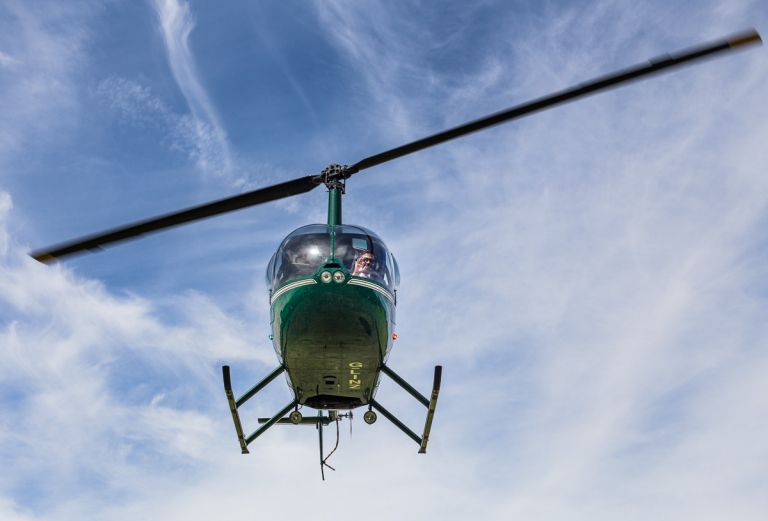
{"type": "Point", "coordinates": [396, 271]}
{"type": "Point", "coordinates": [364, 254]}
{"type": "Point", "coordinates": [360, 250]}
{"type": "Point", "coordinates": [300, 254]}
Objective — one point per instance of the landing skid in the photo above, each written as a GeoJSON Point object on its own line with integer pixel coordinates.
{"type": "Point", "coordinates": [321, 420]}
{"type": "Point", "coordinates": [430, 404]}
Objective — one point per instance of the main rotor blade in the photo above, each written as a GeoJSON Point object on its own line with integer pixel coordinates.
{"type": "Point", "coordinates": [305, 184]}
{"type": "Point", "coordinates": [94, 243]}
{"type": "Point", "coordinates": [654, 66]}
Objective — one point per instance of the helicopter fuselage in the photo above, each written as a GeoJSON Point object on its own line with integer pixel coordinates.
{"type": "Point", "coordinates": [332, 337]}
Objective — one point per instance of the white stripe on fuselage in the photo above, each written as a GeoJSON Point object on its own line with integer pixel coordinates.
{"type": "Point", "coordinates": [355, 282]}
{"type": "Point", "coordinates": [288, 287]}
{"type": "Point", "coordinates": [373, 286]}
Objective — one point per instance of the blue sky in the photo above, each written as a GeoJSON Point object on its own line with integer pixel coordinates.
{"type": "Point", "coordinates": [592, 278]}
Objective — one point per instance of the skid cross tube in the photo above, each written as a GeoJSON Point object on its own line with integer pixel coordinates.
{"type": "Point", "coordinates": [259, 386]}
{"type": "Point", "coordinates": [400, 425]}
{"type": "Point", "coordinates": [405, 385]}
{"type": "Point", "coordinates": [233, 409]}
{"type": "Point", "coordinates": [273, 420]}
{"type": "Point", "coordinates": [304, 421]}
{"type": "Point", "coordinates": [431, 412]}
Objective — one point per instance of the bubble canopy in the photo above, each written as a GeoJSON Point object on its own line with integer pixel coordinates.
{"type": "Point", "coordinates": [360, 251]}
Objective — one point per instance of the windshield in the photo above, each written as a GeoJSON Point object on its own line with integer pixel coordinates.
{"type": "Point", "coordinates": [364, 254]}
{"type": "Point", "coordinates": [359, 250]}
{"type": "Point", "coordinates": [300, 254]}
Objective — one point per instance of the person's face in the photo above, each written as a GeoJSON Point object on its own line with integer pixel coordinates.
{"type": "Point", "coordinates": [364, 263]}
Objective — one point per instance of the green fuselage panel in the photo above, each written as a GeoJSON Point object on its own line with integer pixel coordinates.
{"type": "Point", "coordinates": [332, 339]}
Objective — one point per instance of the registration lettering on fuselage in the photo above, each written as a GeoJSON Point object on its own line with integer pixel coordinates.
{"type": "Point", "coordinates": [354, 375]}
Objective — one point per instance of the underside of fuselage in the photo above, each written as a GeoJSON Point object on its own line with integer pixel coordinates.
{"type": "Point", "coordinates": [332, 339]}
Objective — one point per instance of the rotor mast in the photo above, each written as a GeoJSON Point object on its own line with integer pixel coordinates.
{"type": "Point", "coordinates": [334, 206]}
{"type": "Point", "coordinates": [335, 178]}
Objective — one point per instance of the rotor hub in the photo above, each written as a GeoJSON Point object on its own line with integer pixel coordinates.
{"type": "Point", "coordinates": [335, 176]}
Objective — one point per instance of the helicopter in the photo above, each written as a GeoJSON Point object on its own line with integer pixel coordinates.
{"type": "Point", "coordinates": [333, 287]}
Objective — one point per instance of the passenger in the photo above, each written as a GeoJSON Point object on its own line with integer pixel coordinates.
{"type": "Point", "coordinates": [365, 267]}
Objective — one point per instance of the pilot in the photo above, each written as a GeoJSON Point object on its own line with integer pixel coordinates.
{"type": "Point", "coordinates": [365, 266]}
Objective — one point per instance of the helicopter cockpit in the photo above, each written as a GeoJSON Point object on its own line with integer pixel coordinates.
{"type": "Point", "coordinates": [359, 250]}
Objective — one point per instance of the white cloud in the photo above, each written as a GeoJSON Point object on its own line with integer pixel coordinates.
{"type": "Point", "coordinates": [176, 21]}
{"type": "Point", "coordinates": [101, 382]}
{"type": "Point", "coordinates": [11, 512]}
{"type": "Point", "coordinates": [37, 95]}
{"type": "Point", "coordinates": [185, 133]}
{"type": "Point", "coordinates": [137, 106]}
{"type": "Point", "coordinates": [7, 61]}
{"type": "Point", "coordinates": [5, 207]}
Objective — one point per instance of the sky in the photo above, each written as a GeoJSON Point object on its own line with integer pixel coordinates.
{"type": "Point", "coordinates": [592, 278]}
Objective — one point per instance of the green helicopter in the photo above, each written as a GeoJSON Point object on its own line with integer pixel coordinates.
{"type": "Point", "coordinates": [333, 287]}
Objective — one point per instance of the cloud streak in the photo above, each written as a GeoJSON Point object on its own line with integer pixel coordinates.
{"type": "Point", "coordinates": [68, 350]}
{"type": "Point", "coordinates": [136, 105]}
{"type": "Point", "coordinates": [213, 155]}
{"type": "Point", "coordinates": [38, 96]}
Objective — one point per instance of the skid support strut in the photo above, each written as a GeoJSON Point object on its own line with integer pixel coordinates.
{"type": "Point", "coordinates": [405, 385]}
{"type": "Point", "coordinates": [259, 386]}
{"type": "Point", "coordinates": [235, 404]}
{"type": "Point", "coordinates": [430, 404]}
{"type": "Point", "coordinates": [391, 417]}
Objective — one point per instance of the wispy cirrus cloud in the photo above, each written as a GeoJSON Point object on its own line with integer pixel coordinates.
{"type": "Point", "coordinates": [7, 61]}
{"type": "Point", "coordinates": [62, 386]}
{"type": "Point", "coordinates": [136, 105]}
{"type": "Point", "coordinates": [213, 153]}
{"type": "Point", "coordinates": [38, 95]}
{"type": "Point", "coordinates": [200, 134]}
